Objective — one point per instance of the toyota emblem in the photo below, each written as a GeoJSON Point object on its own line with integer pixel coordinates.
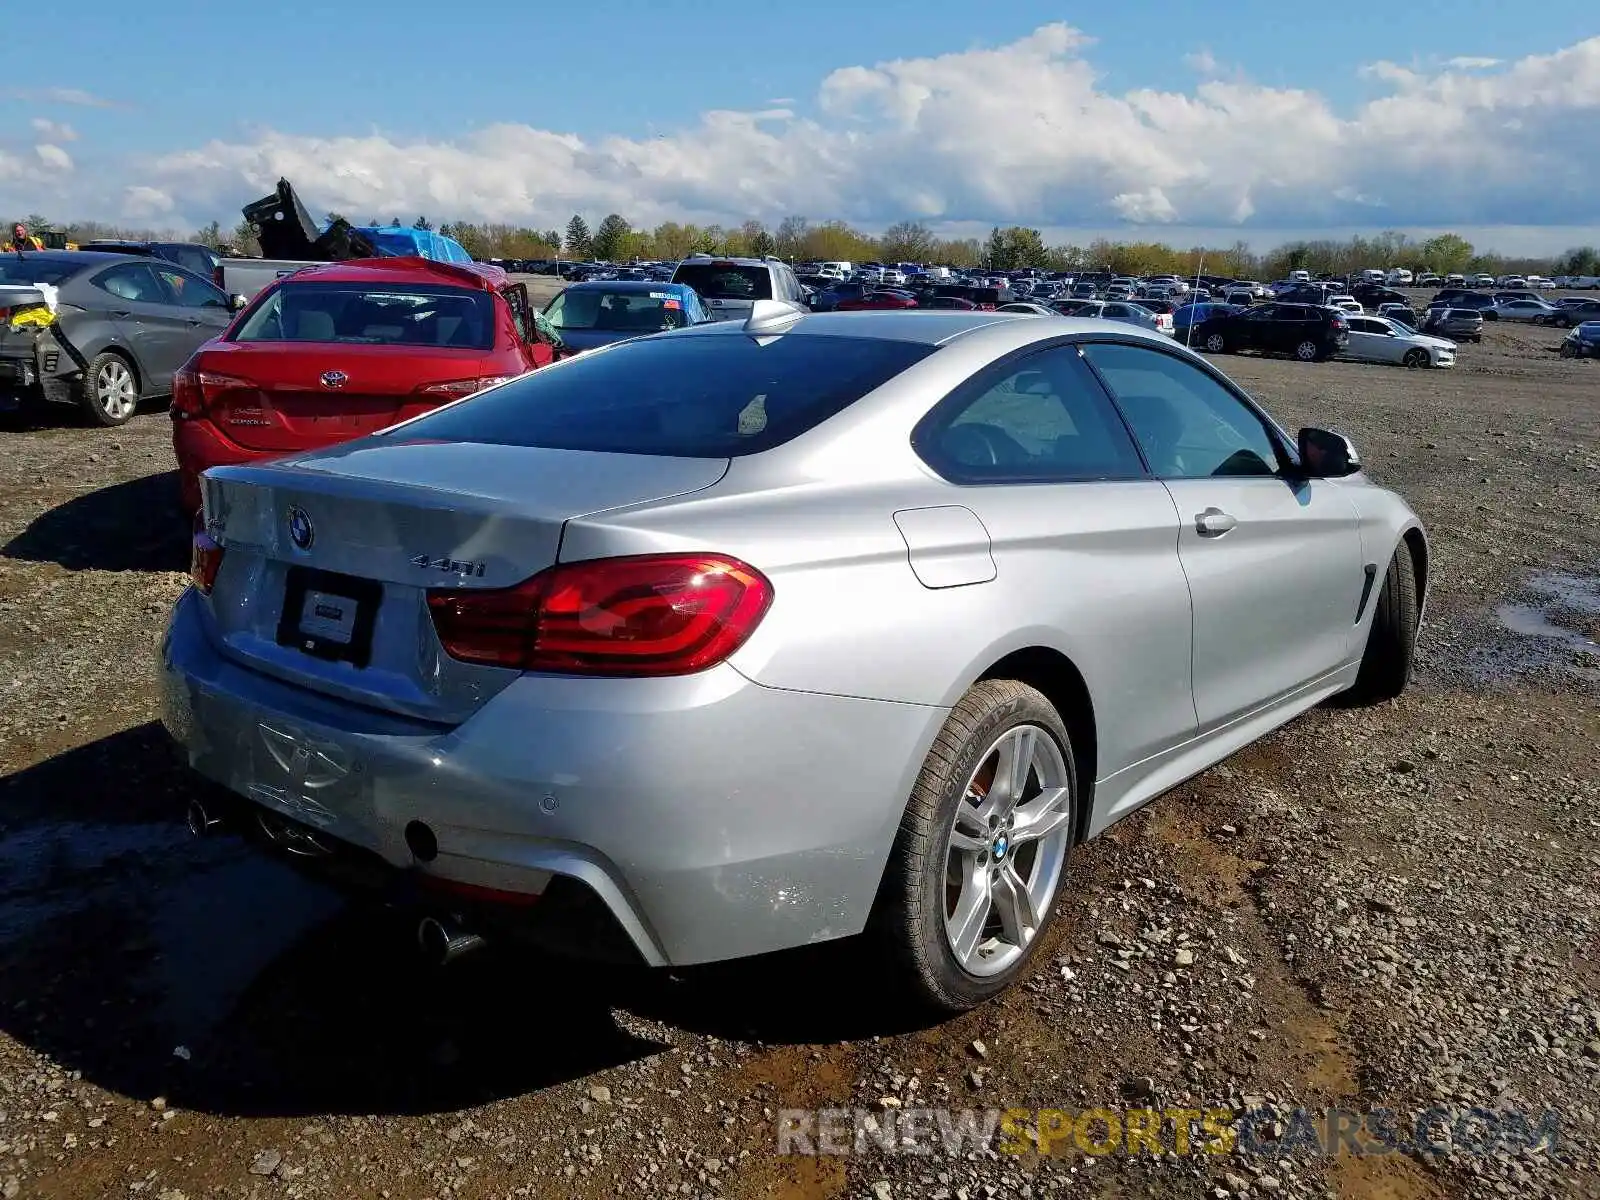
{"type": "Point", "coordinates": [334, 379]}
{"type": "Point", "coordinates": [301, 532]}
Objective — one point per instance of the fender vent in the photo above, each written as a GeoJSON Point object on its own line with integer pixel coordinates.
{"type": "Point", "coordinates": [1371, 572]}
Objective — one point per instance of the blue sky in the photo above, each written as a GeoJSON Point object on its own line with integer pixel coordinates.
{"type": "Point", "coordinates": [638, 66]}
{"type": "Point", "coordinates": [274, 85]}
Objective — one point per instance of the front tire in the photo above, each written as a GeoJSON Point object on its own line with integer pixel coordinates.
{"type": "Point", "coordinates": [972, 881]}
{"type": "Point", "coordinates": [109, 394]}
{"type": "Point", "coordinates": [1416, 359]}
{"type": "Point", "coordinates": [1392, 641]}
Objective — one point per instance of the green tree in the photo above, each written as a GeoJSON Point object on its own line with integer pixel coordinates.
{"type": "Point", "coordinates": [1446, 254]}
{"type": "Point", "coordinates": [578, 243]}
{"type": "Point", "coordinates": [790, 241]}
{"type": "Point", "coordinates": [552, 239]}
{"type": "Point", "coordinates": [330, 217]}
{"type": "Point", "coordinates": [245, 240]}
{"type": "Point", "coordinates": [610, 240]}
{"type": "Point", "coordinates": [422, 223]}
{"type": "Point", "coordinates": [209, 235]}
{"type": "Point", "coordinates": [996, 253]}
{"type": "Point", "coordinates": [907, 241]}
{"type": "Point", "coordinates": [672, 240]}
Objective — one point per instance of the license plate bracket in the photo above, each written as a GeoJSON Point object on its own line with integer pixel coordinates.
{"type": "Point", "coordinates": [328, 615]}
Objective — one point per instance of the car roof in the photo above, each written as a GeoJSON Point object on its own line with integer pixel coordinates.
{"type": "Point", "coordinates": [87, 258]}
{"type": "Point", "coordinates": [409, 269]}
{"type": "Point", "coordinates": [628, 285]}
{"type": "Point", "coordinates": [935, 327]}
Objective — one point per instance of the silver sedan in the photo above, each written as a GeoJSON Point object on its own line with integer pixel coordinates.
{"type": "Point", "coordinates": [755, 635]}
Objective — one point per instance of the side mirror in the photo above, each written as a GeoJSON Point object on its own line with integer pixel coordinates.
{"type": "Point", "coordinates": [1327, 455]}
{"type": "Point", "coordinates": [237, 303]}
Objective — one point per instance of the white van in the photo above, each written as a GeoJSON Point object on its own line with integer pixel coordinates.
{"type": "Point", "coordinates": [1372, 275]}
{"type": "Point", "coordinates": [1299, 276]}
{"type": "Point", "coordinates": [1399, 277]}
{"type": "Point", "coordinates": [836, 270]}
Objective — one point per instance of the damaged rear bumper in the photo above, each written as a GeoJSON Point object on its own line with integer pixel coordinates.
{"type": "Point", "coordinates": [37, 364]}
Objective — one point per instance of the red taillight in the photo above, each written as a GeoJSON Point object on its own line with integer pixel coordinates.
{"type": "Point", "coordinates": [455, 389]}
{"type": "Point", "coordinates": [655, 614]}
{"type": "Point", "coordinates": [204, 558]}
{"type": "Point", "coordinates": [195, 391]}
{"type": "Point", "coordinates": [216, 278]}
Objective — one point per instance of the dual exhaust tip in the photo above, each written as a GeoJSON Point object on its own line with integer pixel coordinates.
{"type": "Point", "coordinates": [441, 940]}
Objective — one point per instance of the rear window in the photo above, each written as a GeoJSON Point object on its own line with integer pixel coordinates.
{"type": "Point", "coordinates": [390, 314]}
{"type": "Point", "coordinates": [31, 269]}
{"type": "Point", "coordinates": [629, 310]}
{"type": "Point", "coordinates": [726, 281]}
{"type": "Point", "coordinates": [683, 397]}
{"type": "Point", "coordinates": [985, 295]}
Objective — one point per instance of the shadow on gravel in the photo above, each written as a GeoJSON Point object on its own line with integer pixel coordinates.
{"type": "Point", "coordinates": [122, 939]}
{"type": "Point", "coordinates": [132, 526]}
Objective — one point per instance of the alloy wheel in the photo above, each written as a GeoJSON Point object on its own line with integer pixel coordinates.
{"type": "Point", "coordinates": [115, 391]}
{"type": "Point", "coordinates": [1006, 848]}
{"type": "Point", "coordinates": [1306, 351]}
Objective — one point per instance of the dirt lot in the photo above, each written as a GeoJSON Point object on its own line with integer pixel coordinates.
{"type": "Point", "coordinates": [1392, 908]}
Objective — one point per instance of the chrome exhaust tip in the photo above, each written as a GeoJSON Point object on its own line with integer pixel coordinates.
{"type": "Point", "coordinates": [443, 942]}
{"type": "Point", "coordinates": [200, 820]}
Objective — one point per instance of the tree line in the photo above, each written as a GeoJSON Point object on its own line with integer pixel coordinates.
{"type": "Point", "coordinates": [616, 239]}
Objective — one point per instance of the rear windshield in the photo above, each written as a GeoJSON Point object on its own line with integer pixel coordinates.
{"type": "Point", "coordinates": [619, 311]}
{"type": "Point", "coordinates": [679, 396]}
{"type": "Point", "coordinates": [391, 314]}
{"type": "Point", "coordinates": [986, 295]}
{"type": "Point", "coordinates": [28, 269]}
{"type": "Point", "coordinates": [726, 281]}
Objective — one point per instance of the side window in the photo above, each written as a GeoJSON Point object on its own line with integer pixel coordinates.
{"type": "Point", "coordinates": [192, 259]}
{"type": "Point", "coordinates": [188, 291]}
{"type": "Point", "coordinates": [132, 281]}
{"type": "Point", "coordinates": [1188, 424]}
{"type": "Point", "coordinates": [1042, 419]}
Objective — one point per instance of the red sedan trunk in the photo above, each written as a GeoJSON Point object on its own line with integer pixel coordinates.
{"type": "Point", "coordinates": [342, 351]}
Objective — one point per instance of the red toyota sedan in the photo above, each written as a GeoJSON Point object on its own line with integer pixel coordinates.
{"type": "Point", "coordinates": [339, 351]}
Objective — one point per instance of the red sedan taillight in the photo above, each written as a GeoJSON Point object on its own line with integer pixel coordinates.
{"type": "Point", "coordinates": [654, 614]}
{"type": "Point", "coordinates": [205, 557]}
{"type": "Point", "coordinates": [195, 391]}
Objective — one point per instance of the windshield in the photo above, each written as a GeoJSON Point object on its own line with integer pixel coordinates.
{"type": "Point", "coordinates": [28, 269]}
{"type": "Point", "coordinates": [394, 314]}
{"type": "Point", "coordinates": [620, 311]}
{"type": "Point", "coordinates": [688, 397]}
{"type": "Point", "coordinates": [726, 281]}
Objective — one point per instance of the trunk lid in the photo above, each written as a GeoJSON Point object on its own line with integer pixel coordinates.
{"type": "Point", "coordinates": [275, 397]}
{"type": "Point", "coordinates": [342, 607]}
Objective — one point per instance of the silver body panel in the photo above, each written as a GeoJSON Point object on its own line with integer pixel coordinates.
{"type": "Point", "coordinates": [753, 806]}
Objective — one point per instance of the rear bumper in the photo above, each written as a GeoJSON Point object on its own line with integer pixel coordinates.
{"type": "Point", "coordinates": [712, 818]}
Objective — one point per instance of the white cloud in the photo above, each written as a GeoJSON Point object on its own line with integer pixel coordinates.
{"type": "Point", "coordinates": [1023, 132]}
{"type": "Point", "coordinates": [1202, 62]}
{"type": "Point", "coordinates": [61, 95]}
{"type": "Point", "coordinates": [55, 131]}
{"type": "Point", "coordinates": [1469, 62]}
{"type": "Point", "coordinates": [53, 157]}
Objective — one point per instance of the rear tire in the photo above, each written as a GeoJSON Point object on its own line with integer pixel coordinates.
{"type": "Point", "coordinates": [109, 393]}
{"type": "Point", "coordinates": [1216, 343]}
{"type": "Point", "coordinates": [1308, 351]}
{"type": "Point", "coordinates": [917, 908]}
{"type": "Point", "coordinates": [1392, 641]}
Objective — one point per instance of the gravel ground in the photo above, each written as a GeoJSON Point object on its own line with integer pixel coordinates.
{"type": "Point", "coordinates": [1392, 908]}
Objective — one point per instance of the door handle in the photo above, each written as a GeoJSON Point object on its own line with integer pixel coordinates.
{"type": "Point", "coordinates": [1213, 522]}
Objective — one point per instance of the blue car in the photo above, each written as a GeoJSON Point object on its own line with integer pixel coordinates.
{"type": "Point", "coordinates": [586, 316]}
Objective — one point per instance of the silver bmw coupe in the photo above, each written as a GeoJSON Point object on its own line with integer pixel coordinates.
{"type": "Point", "coordinates": [757, 634]}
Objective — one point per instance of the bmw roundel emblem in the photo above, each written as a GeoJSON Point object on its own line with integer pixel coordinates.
{"type": "Point", "coordinates": [301, 532]}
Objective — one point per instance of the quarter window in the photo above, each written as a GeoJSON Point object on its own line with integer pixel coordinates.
{"type": "Point", "coordinates": [1188, 424]}
{"type": "Point", "coordinates": [1042, 419]}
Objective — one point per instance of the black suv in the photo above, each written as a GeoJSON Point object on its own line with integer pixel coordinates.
{"type": "Point", "coordinates": [1309, 332]}
{"type": "Point", "coordinates": [202, 260]}
{"type": "Point", "coordinates": [1573, 311]}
